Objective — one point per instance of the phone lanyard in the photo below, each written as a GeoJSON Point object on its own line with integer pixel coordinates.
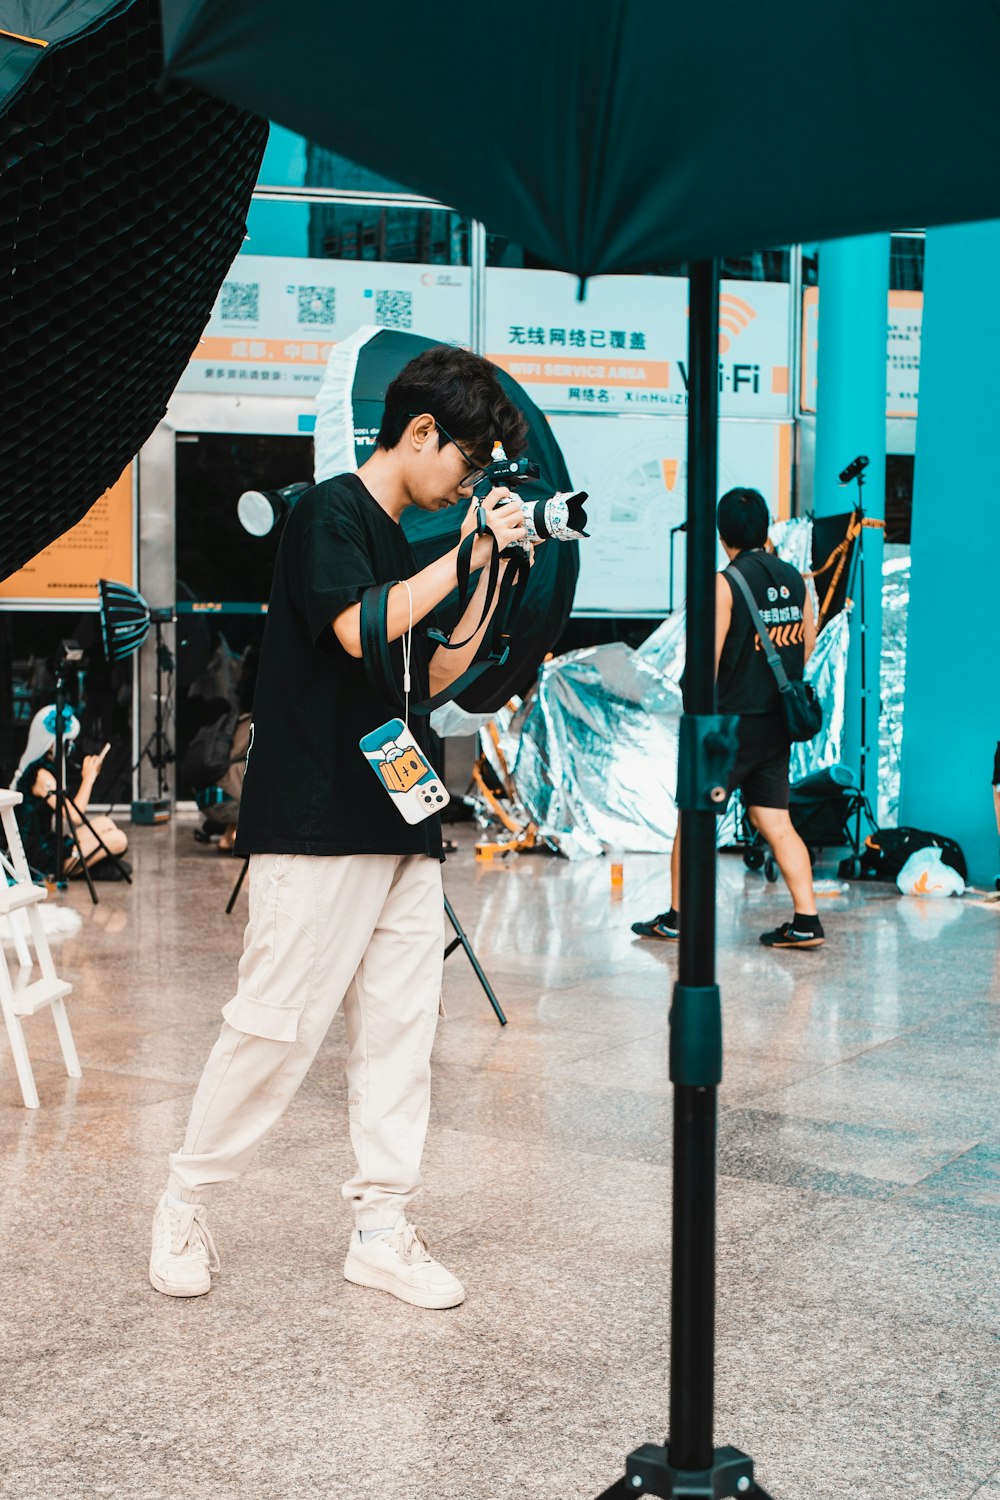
{"type": "Point", "coordinates": [407, 652]}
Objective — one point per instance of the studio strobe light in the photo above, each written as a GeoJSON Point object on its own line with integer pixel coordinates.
{"type": "Point", "coordinates": [126, 620]}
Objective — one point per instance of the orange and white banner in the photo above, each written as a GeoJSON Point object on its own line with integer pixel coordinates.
{"type": "Point", "coordinates": [277, 317]}
{"type": "Point", "coordinates": [66, 572]}
{"type": "Point", "coordinates": [624, 348]}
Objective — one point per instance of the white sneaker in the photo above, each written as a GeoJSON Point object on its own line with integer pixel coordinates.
{"type": "Point", "coordinates": [183, 1254]}
{"type": "Point", "coordinates": [398, 1262]}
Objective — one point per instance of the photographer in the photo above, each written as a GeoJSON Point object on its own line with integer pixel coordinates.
{"type": "Point", "coordinates": [95, 837]}
{"type": "Point", "coordinates": [346, 904]}
{"type": "Point", "coordinates": [747, 688]}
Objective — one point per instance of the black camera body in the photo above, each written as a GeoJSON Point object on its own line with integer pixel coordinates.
{"type": "Point", "coordinates": [560, 518]}
{"type": "Point", "coordinates": [508, 471]}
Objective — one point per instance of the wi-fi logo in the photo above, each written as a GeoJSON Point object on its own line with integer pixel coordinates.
{"type": "Point", "coordinates": [734, 316]}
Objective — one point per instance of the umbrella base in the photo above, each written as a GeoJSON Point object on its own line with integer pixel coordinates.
{"type": "Point", "coordinates": [649, 1471]}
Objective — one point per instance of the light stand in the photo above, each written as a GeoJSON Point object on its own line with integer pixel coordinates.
{"type": "Point", "coordinates": [157, 747]}
{"type": "Point", "coordinates": [673, 532]}
{"type": "Point", "coordinates": [125, 622]}
{"type": "Point", "coordinates": [856, 579]}
{"type": "Point", "coordinates": [856, 471]}
{"type": "Point", "coordinates": [688, 1464]}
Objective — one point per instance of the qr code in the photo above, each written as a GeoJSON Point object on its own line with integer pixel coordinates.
{"type": "Point", "coordinates": [240, 301]}
{"type": "Point", "coordinates": [317, 304]}
{"type": "Point", "coordinates": [394, 309]}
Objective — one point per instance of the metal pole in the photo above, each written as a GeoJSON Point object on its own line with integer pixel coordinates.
{"type": "Point", "coordinates": [688, 1464]}
{"type": "Point", "coordinates": [692, 1328]}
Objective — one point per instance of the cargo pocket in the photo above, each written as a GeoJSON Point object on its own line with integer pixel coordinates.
{"type": "Point", "coordinates": [279, 952]}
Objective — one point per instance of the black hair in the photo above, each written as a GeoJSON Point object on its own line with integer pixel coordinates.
{"type": "Point", "coordinates": [743, 519]}
{"type": "Point", "coordinates": [461, 391]}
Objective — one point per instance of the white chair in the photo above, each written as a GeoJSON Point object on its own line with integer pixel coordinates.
{"type": "Point", "coordinates": [27, 993]}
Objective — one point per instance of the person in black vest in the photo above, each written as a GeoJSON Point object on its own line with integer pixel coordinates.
{"type": "Point", "coordinates": [346, 905]}
{"type": "Point", "coordinates": [746, 686]}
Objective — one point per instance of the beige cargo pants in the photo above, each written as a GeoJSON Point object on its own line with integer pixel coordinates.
{"type": "Point", "coordinates": [365, 931]}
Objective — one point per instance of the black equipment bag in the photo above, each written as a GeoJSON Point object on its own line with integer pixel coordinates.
{"type": "Point", "coordinates": [208, 756]}
{"type": "Point", "coordinates": [802, 709]}
{"type": "Point", "coordinates": [887, 850]}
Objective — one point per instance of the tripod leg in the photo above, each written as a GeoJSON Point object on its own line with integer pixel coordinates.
{"type": "Point", "coordinates": [115, 858]}
{"type": "Point", "coordinates": [60, 867]}
{"type": "Point", "coordinates": [462, 941]}
{"type": "Point", "coordinates": [237, 887]}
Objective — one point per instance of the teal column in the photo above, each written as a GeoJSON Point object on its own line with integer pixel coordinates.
{"type": "Point", "coordinates": [850, 420]}
{"type": "Point", "coordinates": [951, 719]}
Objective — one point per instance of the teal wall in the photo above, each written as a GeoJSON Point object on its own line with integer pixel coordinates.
{"type": "Point", "coordinates": [850, 420]}
{"type": "Point", "coordinates": [280, 228]}
{"type": "Point", "coordinates": [952, 714]}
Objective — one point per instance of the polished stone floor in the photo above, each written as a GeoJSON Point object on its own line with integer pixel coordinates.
{"type": "Point", "coordinates": [859, 1209]}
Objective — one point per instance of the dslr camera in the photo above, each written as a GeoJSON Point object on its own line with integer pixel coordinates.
{"type": "Point", "coordinates": [560, 518]}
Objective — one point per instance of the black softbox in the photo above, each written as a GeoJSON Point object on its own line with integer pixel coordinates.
{"type": "Point", "coordinates": [122, 205]}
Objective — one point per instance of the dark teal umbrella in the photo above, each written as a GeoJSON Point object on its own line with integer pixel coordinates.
{"type": "Point", "coordinates": [613, 135]}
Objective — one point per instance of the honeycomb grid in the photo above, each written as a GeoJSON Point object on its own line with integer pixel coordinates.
{"type": "Point", "coordinates": [122, 205]}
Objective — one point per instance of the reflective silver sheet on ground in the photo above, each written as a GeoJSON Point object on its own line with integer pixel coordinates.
{"type": "Point", "coordinates": [593, 754]}
{"type": "Point", "coordinates": [895, 607]}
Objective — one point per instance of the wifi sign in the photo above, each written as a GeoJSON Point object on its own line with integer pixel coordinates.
{"type": "Point", "coordinates": [734, 316]}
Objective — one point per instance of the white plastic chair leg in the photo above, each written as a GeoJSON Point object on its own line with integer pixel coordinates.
{"type": "Point", "coordinates": [18, 1046]}
{"type": "Point", "coordinates": [66, 1041]}
{"type": "Point", "coordinates": [18, 923]}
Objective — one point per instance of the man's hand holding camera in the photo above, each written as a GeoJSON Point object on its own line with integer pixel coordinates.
{"type": "Point", "coordinates": [503, 520]}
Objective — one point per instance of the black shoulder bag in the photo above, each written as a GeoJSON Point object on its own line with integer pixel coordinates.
{"type": "Point", "coordinates": [802, 709]}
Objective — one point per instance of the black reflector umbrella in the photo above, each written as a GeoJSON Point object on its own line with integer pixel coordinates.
{"type": "Point", "coordinates": [350, 409]}
{"type": "Point", "coordinates": [122, 206]}
{"type": "Point", "coordinates": [620, 135]}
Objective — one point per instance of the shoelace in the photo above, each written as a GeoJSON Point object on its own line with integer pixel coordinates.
{"type": "Point", "coordinates": [410, 1243]}
{"type": "Point", "coordinates": [192, 1233]}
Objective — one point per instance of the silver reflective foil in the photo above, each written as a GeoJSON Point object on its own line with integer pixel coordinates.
{"type": "Point", "coordinates": [826, 670]}
{"type": "Point", "coordinates": [895, 605]}
{"type": "Point", "coordinates": [595, 762]}
{"type": "Point", "coordinates": [593, 752]}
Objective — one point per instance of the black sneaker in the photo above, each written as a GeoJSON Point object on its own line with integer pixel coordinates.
{"type": "Point", "coordinates": [666, 927]}
{"type": "Point", "coordinates": [789, 936]}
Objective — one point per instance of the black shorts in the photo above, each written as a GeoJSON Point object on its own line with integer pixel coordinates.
{"type": "Point", "coordinates": [761, 769]}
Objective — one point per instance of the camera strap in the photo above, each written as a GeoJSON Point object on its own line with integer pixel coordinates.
{"type": "Point", "coordinates": [493, 648]}
{"type": "Point", "coordinates": [466, 588]}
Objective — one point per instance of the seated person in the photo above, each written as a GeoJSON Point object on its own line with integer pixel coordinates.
{"type": "Point", "coordinates": [36, 815]}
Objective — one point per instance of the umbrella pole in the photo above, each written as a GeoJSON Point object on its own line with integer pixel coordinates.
{"type": "Point", "coordinates": [688, 1464]}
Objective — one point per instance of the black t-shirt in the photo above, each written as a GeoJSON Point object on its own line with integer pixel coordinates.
{"type": "Point", "coordinates": [746, 682]}
{"type": "Point", "coordinates": [308, 788]}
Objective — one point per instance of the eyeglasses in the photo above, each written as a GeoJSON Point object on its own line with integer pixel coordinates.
{"type": "Point", "coordinates": [476, 471]}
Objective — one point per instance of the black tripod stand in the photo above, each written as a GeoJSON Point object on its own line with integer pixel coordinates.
{"type": "Point", "coordinates": [856, 589]}
{"type": "Point", "coordinates": [69, 651]}
{"type": "Point", "coordinates": [157, 747]}
{"type": "Point", "coordinates": [688, 1464]}
{"type": "Point", "coordinates": [855, 592]}
{"type": "Point", "coordinates": [460, 940]}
